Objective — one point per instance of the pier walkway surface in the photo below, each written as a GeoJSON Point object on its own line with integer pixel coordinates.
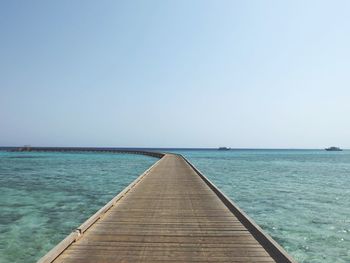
{"type": "Point", "coordinates": [171, 213]}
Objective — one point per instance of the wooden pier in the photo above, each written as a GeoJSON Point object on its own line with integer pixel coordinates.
{"type": "Point", "coordinates": [171, 213]}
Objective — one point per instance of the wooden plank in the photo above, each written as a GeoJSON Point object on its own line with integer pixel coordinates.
{"type": "Point", "coordinates": [171, 215]}
{"type": "Point", "coordinates": [52, 254]}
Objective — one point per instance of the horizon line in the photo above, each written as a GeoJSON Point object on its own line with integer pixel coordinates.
{"type": "Point", "coordinates": [169, 148]}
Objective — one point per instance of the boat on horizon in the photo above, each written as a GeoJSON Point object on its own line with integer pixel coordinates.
{"type": "Point", "coordinates": [333, 149]}
{"type": "Point", "coordinates": [224, 149]}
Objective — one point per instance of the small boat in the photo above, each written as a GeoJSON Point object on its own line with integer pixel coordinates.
{"type": "Point", "coordinates": [224, 149]}
{"type": "Point", "coordinates": [333, 149]}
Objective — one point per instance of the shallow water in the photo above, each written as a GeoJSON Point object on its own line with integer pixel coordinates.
{"type": "Point", "coordinates": [44, 196]}
{"type": "Point", "coordinates": [300, 197]}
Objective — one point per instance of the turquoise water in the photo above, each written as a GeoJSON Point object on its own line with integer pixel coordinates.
{"type": "Point", "coordinates": [44, 196]}
{"type": "Point", "coordinates": [301, 198]}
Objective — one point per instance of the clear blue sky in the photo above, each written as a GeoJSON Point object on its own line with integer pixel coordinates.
{"type": "Point", "coordinates": [175, 73]}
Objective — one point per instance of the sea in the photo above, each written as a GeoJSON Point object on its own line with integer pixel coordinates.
{"type": "Point", "coordinates": [299, 197]}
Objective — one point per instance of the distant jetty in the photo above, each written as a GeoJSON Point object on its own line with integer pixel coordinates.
{"type": "Point", "coordinates": [333, 149]}
{"type": "Point", "coordinates": [25, 148]}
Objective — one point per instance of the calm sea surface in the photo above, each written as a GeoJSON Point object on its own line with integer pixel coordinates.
{"type": "Point", "coordinates": [301, 198]}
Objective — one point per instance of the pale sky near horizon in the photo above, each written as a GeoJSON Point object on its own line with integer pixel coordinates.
{"type": "Point", "coordinates": [255, 74]}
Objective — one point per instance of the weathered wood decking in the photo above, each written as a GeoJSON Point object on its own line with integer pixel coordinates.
{"type": "Point", "coordinates": [171, 213]}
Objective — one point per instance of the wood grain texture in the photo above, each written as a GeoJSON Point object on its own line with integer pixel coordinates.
{"type": "Point", "coordinates": [172, 215]}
